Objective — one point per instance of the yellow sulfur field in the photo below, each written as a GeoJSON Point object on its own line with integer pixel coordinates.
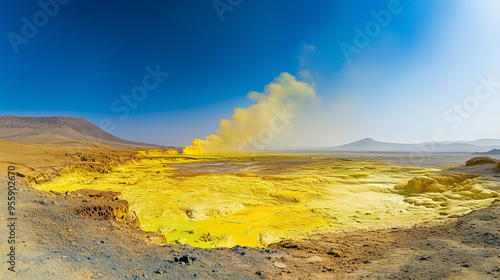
{"type": "Point", "coordinates": [256, 199]}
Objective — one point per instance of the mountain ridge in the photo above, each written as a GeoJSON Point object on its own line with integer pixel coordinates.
{"type": "Point", "coordinates": [371, 145]}
{"type": "Point", "coordinates": [27, 129]}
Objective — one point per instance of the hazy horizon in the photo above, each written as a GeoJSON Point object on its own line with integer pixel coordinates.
{"type": "Point", "coordinates": [395, 71]}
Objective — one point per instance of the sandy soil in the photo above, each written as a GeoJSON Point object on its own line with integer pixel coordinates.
{"type": "Point", "coordinates": [55, 242]}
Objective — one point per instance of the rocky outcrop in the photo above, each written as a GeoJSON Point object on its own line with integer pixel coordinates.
{"type": "Point", "coordinates": [105, 205]}
{"type": "Point", "coordinates": [484, 160]}
{"type": "Point", "coordinates": [481, 160]}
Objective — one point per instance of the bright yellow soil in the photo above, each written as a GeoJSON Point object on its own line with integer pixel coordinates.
{"type": "Point", "coordinates": [256, 199]}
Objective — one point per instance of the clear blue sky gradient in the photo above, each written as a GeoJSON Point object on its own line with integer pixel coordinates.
{"type": "Point", "coordinates": [428, 57]}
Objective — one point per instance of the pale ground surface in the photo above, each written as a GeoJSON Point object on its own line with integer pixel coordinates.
{"type": "Point", "coordinates": [57, 244]}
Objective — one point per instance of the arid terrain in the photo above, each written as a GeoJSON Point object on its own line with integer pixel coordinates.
{"type": "Point", "coordinates": [82, 209]}
{"type": "Point", "coordinates": [59, 240]}
{"type": "Point", "coordinates": [235, 140]}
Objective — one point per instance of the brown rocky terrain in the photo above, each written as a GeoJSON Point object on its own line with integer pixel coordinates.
{"type": "Point", "coordinates": [59, 130]}
{"type": "Point", "coordinates": [484, 160]}
{"type": "Point", "coordinates": [482, 165]}
{"type": "Point", "coordinates": [89, 234]}
{"type": "Point", "coordinates": [466, 247]}
{"type": "Point", "coordinates": [39, 162]}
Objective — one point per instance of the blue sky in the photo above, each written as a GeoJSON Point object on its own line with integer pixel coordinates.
{"type": "Point", "coordinates": [427, 58]}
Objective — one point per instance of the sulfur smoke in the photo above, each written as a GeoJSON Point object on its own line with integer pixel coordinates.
{"type": "Point", "coordinates": [253, 127]}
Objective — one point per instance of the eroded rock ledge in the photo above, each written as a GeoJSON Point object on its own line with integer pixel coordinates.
{"type": "Point", "coordinates": [108, 205]}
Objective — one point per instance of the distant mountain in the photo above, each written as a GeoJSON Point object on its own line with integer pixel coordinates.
{"type": "Point", "coordinates": [370, 145]}
{"type": "Point", "coordinates": [483, 142]}
{"type": "Point", "coordinates": [59, 129]}
{"type": "Point", "coordinates": [494, 152]}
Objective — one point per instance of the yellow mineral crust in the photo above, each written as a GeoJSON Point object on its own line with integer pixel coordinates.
{"type": "Point", "coordinates": [220, 200]}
